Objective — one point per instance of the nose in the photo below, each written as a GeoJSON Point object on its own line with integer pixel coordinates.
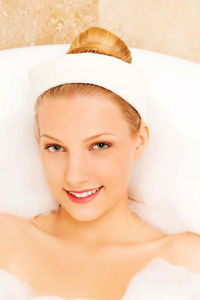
{"type": "Point", "coordinates": [76, 172]}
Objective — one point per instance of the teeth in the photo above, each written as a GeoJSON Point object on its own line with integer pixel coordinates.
{"type": "Point", "coordinates": [84, 194]}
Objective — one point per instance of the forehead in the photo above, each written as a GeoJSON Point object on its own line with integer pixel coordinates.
{"type": "Point", "coordinates": [80, 111]}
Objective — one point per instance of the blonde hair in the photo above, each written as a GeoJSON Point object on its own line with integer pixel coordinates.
{"type": "Point", "coordinates": [102, 41]}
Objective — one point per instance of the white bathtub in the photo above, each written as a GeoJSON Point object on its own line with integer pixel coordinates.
{"type": "Point", "coordinates": [176, 85]}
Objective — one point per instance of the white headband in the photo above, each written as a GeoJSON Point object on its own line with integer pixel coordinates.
{"type": "Point", "coordinates": [122, 78]}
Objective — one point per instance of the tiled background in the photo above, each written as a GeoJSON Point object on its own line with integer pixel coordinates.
{"type": "Point", "coordinates": [167, 26]}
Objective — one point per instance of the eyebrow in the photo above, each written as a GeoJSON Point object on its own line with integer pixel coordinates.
{"type": "Point", "coordinates": [86, 140]}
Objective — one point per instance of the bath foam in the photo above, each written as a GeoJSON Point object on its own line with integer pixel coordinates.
{"type": "Point", "coordinates": [158, 280]}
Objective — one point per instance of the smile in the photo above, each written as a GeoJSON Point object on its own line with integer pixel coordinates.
{"type": "Point", "coordinates": [83, 199]}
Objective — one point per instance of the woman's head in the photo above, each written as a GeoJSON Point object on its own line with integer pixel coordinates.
{"type": "Point", "coordinates": [76, 111]}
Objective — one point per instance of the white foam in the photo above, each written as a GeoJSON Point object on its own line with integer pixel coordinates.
{"type": "Point", "coordinates": [159, 280]}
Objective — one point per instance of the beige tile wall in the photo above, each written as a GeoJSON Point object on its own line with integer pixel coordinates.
{"type": "Point", "coordinates": [38, 22]}
{"type": "Point", "coordinates": [166, 26]}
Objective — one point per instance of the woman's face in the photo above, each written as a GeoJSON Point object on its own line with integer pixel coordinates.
{"type": "Point", "coordinates": [77, 163]}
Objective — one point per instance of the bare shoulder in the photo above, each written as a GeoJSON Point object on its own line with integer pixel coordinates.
{"type": "Point", "coordinates": [11, 229]}
{"type": "Point", "coordinates": [184, 249]}
{"type": "Point", "coordinates": [11, 222]}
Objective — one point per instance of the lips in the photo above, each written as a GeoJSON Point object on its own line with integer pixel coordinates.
{"type": "Point", "coordinates": [85, 199]}
{"type": "Point", "coordinates": [84, 191]}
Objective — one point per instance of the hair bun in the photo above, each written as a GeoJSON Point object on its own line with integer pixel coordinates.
{"type": "Point", "coordinates": [102, 41]}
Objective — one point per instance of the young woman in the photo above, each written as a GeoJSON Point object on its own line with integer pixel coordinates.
{"type": "Point", "coordinates": [89, 138]}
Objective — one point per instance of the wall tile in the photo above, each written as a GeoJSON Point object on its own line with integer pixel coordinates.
{"type": "Point", "coordinates": [167, 26]}
{"type": "Point", "coordinates": [39, 22]}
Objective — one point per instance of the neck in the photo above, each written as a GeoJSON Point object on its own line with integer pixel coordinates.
{"type": "Point", "coordinates": [118, 225]}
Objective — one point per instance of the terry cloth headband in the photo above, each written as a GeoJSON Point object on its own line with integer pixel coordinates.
{"type": "Point", "coordinates": [122, 78]}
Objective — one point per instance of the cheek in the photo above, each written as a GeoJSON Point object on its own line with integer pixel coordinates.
{"type": "Point", "coordinates": [121, 166]}
{"type": "Point", "coordinates": [53, 169]}
{"type": "Point", "coordinates": [113, 167]}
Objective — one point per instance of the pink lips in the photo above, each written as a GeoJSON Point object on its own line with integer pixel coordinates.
{"type": "Point", "coordinates": [82, 200]}
{"type": "Point", "coordinates": [83, 191]}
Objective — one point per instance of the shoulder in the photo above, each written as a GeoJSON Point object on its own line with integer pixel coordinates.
{"type": "Point", "coordinates": [10, 222]}
{"type": "Point", "coordinates": [7, 222]}
{"type": "Point", "coordinates": [11, 229]}
{"type": "Point", "coordinates": [184, 249]}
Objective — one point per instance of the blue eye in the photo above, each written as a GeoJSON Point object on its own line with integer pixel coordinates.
{"type": "Point", "coordinates": [101, 143]}
{"type": "Point", "coordinates": [57, 147]}
{"type": "Point", "coordinates": [53, 145]}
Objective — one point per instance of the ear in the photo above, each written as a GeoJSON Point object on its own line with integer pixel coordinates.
{"type": "Point", "coordinates": [142, 140]}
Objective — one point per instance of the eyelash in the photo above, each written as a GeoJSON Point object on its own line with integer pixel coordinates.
{"type": "Point", "coordinates": [50, 145]}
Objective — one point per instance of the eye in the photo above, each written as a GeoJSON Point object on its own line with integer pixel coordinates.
{"type": "Point", "coordinates": [57, 147]}
{"type": "Point", "coordinates": [102, 143]}
{"type": "Point", "coordinates": [52, 145]}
